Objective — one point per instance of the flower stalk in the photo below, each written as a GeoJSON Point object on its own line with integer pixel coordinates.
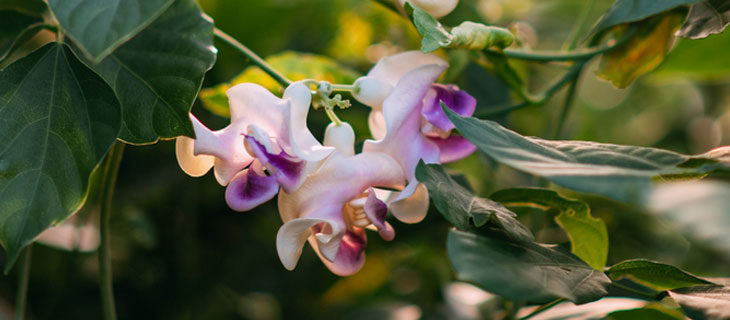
{"type": "Point", "coordinates": [110, 169]}
{"type": "Point", "coordinates": [22, 293]}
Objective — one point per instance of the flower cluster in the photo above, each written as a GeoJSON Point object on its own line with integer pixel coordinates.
{"type": "Point", "coordinates": [328, 195]}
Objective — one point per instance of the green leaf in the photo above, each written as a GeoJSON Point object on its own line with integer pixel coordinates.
{"type": "Point", "coordinates": [12, 27]}
{"type": "Point", "coordinates": [644, 52]}
{"type": "Point", "coordinates": [623, 173]}
{"type": "Point", "coordinates": [706, 18]}
{"type": "Point", "coordinates": [433, 33]}
{"type": "Point", "coordinates": [654, 275]}
{"type": "Point", "coordinates": [464, 210]}
{"type": "Point", "coordinates": [524, 271]}
{"type": "Point", "coordinates": [706, 302]}
{"type": "Point", "coordinates": [697, 209]}
{"type": "Point", "coordinates": [654, 311]}
{"type": "Point", "coordinates": [588, 235]}
{"type": "Point", "coordinates": [35, 8]}
{"type": "Point", "coordinates": [59, 120]}
{"type": "Point", "coordinates": [294, 65]}
{"type": "Point", "coordinates": [625, 11]}
{"type": "Point", "coordinates": [690, 59]}
{"type": "Point", "coordinates": [158, 74]}
{"type": "Point", "coordinates": [100, 26]}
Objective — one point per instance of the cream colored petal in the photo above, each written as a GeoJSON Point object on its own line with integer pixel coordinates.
{"type": "Point", "coordinates": [292, 235]}
{"type": "Point", "coordinates": [341, 137]}
{"type": "Point", "coordinates": [410, 206]}
{"type": "Point", "coordinates": [391, 69]}
{"type": "Point", "coordinates": [376, 124]}
{"type": "Point", "coordinates": [193, 165]}
{"type": "Point", "coordinates": [70, 236]}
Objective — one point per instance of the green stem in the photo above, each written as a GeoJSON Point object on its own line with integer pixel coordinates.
{"type": "Point", "coordinates": [648, 295]}
{"type": "Point", "coordinates": [567, 106]}
{"type": "Point", "coordinates": [342, 87]}
{"type": "Point", "coordinates": [255, 59]}
{"type": "Point", "coordinates": [553, 56]}
{"type": "Point", "coordinates": [111, 169]}
{"type": "Point", "coordinates": [543, 308]}
{"type": "Point", "coordinates": [22, 293]}
{"type": "Point", "coordinates": [579, 26]}
{"type": "Point", "coordinates": [543, 97]}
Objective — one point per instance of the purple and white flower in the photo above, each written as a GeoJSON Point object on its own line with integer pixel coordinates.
{"type": "Point", "coordinates": [266, 146]}
{"type": "Point", "coordinates": [408, 123]}
{"type": "Point", "coordinates": [336, 204]}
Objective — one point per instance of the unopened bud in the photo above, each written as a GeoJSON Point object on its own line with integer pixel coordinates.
{"type": "Point", "coordinates": [477, 36]}
{"type": "Point", "coordinates": [342, 137]}
{"type": "Point", "coordinates": [371, 91]}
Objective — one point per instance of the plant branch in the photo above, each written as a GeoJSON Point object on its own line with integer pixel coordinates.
{"type": "Point", "coordinates": [647, 295]}
{"type": "Point", "coordinates": [572, 41]}
{"type": "Point", "coordinates": [543, 308]}
{"type": "Point", "coordinates": [253, 57]}
{"type": "Point", "coordinates": [111, 169]}
{"type": "Point", "coordinates": [567, 105]}
{"type": "Point", "coordinates": [22, 293]}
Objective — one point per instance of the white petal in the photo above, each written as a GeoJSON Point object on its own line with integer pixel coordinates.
{"type": "Point", "coordinates": [436, 8]}
{"type": "Point", "coordinates": [301, 140]}
{"type": "Point", "coordinates": [70, 236]}
{"type": "Point", "coordinates": [340, 137]}
{"type": "Point", "coordinates": [252, 103]}
{"type": "Point", "coordinates": [391, 69]}
{"type": "Point", "coordinates": [371, 91]}
{"type": "Point", "coordinates": [411, 205]}
{"type": "Point", "coordinates": [193, 165]}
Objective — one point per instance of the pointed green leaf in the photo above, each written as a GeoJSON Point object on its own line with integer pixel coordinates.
{"type": "Point", "coordinates": [464, 210]}
{"type": "Point", "coordinates": [624, 173]}
{"type": "Point", "coordinates": [525, 271]}
{"type": "Point", "coordinates": [706, 18]}
{"type": "Point", "coordinates": [625, 11]}
{"type": "Point", "coordinates": [433, 33]}
{"type": "Point", "coordinates": [58, 121]}
{"type": "Point", "coordinates": [705, 302]}
{"type": "Point", "coordinates": [690, 59]}
{"type": "Point", "coordinates": [100, 26]}
{"type": "Point", "coordinates": [12, 25]}
{"type": "Point", "coordinates": [588, 235]}
{"type": "Point", "coordinates": [654, 275]}
{"type": "Point", "coordinates": [158, 74]}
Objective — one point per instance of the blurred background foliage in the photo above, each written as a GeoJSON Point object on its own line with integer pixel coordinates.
{"type": "Point", "coordinates": [180, 253]}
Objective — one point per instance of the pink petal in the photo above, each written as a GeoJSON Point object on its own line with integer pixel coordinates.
{"type": "Point", "coordinates": [300, 139]}
{"type": "Point", "coordinates": [391, 69]}
{"type": "Point", "coordinates": [453, 148]}
{"type": "Point", "coordinates": [376, 211]}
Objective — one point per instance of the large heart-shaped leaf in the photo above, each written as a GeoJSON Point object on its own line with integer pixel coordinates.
{"type": "Point", "coordinates": [158, 74]}
{"type": "Point", "coordinates": [58, 121]}
{"type": "Point", "coordinates": [698, 209]}
{"type": "Point", "coordinates": [625, 11]}
{"type": "Point", "coordinates": [706, 18]}
{"type": "Point", "coordinates": [464, 210]}
{"type": "Point", "coordinates": [100, 26]}
{"type": "Point", "coordinates": [525, 271]}
{"type": "Point", "coordinates": [588, 235]}
{"type": "Point", "coordinates": [655, 275]}
{"type": "Point", "coordinates": [624, 173]}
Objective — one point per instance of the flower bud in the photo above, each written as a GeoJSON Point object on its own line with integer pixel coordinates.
{"type": "Point", "coordinates": [371, 91]}
{"type": "Point", "coordinates": [476, 36]}
{"type": "Point", "coordinates": [436, 8]}
{"type": "Point", "coordinates": [342, 137]}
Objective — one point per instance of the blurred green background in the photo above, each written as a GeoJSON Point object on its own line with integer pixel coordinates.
{"type": "Point", "coordinates": [180, 253]}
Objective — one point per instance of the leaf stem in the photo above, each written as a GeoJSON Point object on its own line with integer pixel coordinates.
{"type": "Point", "coordinates": [111, 169]}
{"type": "Point", "coordinates": [572, 41]}
{"type": "Point", "coordinates": [255, 59]}
{"type": "Point", "coordinates": [342, 87]}
{"type": "Point", "coordinates": [543, 308]}
{"type": "Point", "coordinates": [22, 293]}
{"type": "Point", "coordinates": [567, 105]}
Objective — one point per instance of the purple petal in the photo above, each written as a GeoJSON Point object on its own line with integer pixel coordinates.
{"type": "Point", "coordinates": [248, 189]}
{"type": "Point", "coordinates": [288, 170]}
{"type": "Point", "coordinates": [458, 100]}
{"type": "Point", "coordinates": [350, 254]}
{"type": "Point", "coordinates": [376, 211]}
{"type": "Point", "coordinates": [453, 148]}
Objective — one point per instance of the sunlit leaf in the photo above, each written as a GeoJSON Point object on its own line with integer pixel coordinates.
{"type": "Point", "coordinates": [59, 120]}
{"type": "Point", "coordinates": [690, 59]}
{"type": "Point", "coordinates": [698, 209]}
{"type": "Point", "coordinates": [100, 26]}
{"type": "Point", "coordinates": [588, 235]}
{"type": "Point", "coordinates": [644, 52]}
{"type": "Point", "coordinates": [295, 66]}
{"type": "Point", "coordinates": [625, 11]}
{"type": "Point", "coordinates": [706, 18]}
{"type": "Point", "coordinates": [158, 74]}
{"type": "Point", "coordinates": [706, 302]}
{"type": "Point", "coordinates": [464, 210]}
{"type": "Point", "coordinates": [654, 275]}
{"type": "Point", "coordinates": [624, 173]}
{"type": "Point", "coordinates": [525, 271]}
